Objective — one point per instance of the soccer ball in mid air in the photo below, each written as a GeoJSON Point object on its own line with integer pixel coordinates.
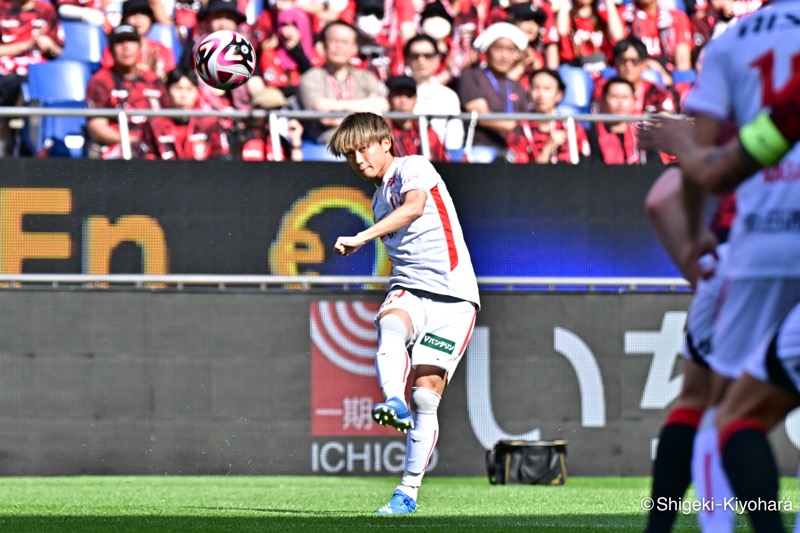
{"type": "Point", "coordinates": [224, 59]}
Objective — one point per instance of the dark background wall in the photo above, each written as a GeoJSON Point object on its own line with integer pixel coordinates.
{"type": "Point", "coordinates": [244, 218]}
{"type": "Point", "coordinates": [207, 383]}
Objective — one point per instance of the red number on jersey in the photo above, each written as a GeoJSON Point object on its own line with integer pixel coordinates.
{"type": "Point", "coordinates": [766, 66]}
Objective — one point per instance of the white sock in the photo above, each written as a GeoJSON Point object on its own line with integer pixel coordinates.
{"type": "Point", "coordinates": [391, 362]}
{"type": "Point", "coordinates": [710, 481]}
{"type": "Point", "coordinates": [421, 440]}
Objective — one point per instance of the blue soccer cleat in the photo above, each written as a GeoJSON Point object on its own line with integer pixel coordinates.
{"type": "Point", "coordinates": [401, 503]}
{"type": "Point", "coordinates": [393, 413]}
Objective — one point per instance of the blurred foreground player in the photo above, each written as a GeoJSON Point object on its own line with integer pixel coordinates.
{"type": "Point", "coordinates": [769, 386]}
{"type": "Point", "coordinates": [433, 293]}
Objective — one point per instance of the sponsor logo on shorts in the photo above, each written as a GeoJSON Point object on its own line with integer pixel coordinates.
{"type": "Point", "coordinates": [438, 343]}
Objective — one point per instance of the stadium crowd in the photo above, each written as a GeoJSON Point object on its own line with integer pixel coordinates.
{"type": "Point", "coordinates": [443, 57]}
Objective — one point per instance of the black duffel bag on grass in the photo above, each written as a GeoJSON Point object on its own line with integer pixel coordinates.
{"type": "Point", "coordinates": [539, 462]}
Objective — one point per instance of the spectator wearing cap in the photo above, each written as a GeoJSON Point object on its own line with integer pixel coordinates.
{"type": "Point", "coordinates": [666, 32]}
{"type": "Point", "coordinates": [538, 23]}
{"type": "Point", "coordinates": [433, 98]}
{"type": "Point", "coordinates": [488, 89]}
{"type": "Point", "coordinates": [406, 132]}
{"type": "Point", "coordinates": [187, 138]}
{"type": "Point", "coordinates": [338, 87]}
{"type": "Point", "coordinates": [589, 29]}
{"type": "Point", "coordinates": [616, 143]}
{"type": "Point", "coordinates": [630, 60]}
{"type": "Point", "coordinates": [122, 86]}
{"type": "Point", "coordinates": [539, 53]}
{"type": "Point", "coordinates": [29, 33]}
{"type": "Point", "coordinates": [546, 141]}
{"type": "Point", "coordinates": [257, 142]}
{"type": "Point", "coordinates": [154, 56]}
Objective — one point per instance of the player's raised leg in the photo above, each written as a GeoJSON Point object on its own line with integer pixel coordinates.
{"type": "Point", "coordinates": [393, 365]}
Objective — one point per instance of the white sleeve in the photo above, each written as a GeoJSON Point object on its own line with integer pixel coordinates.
{"type": "Point", "coordinates": [418, 173]}
{"type": "Point", "coordinates": [711, 93]}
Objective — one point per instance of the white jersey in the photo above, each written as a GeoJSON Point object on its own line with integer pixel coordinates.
{"type": "Point", "coordinates": [430, 253]}
{"type": "Point", "coordinates": [742, 72]}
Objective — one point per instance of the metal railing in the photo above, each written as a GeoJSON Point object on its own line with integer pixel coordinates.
{"type": "Point", "coordinates": [264, 282]}
{"type": "Point", "coordinates": [123, 115]}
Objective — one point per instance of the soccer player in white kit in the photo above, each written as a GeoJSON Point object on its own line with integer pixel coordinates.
{"type": "Point", "coordinates": [743, 71]}
{"type": "Point", "coordinates": [770, 385]}
{"type": "Point", "coordinates": [433, 294]}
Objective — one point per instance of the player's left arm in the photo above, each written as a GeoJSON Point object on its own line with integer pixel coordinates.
{"type": "Point", "coordinates": [411, 208]}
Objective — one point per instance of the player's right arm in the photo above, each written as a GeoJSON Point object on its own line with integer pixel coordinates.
{"type": "Point", "coordinates": [762, 142]}
{"type": "Point", "coordinates": [410, 210]}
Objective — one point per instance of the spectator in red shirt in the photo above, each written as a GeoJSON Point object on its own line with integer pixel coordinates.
{"type": "Point", "coordinates": [154, 56]}
{"type": "Point", "coordinates": [630, 60]}
{"type": "Point", "coordinates": [257, 144]}
{"type": "Point", "coordinates": [407, 140]}
{"type": "Point", "coordinates": [122, 86]}
{"type": "Point", "coordinates": [588, 31]}
{"type": "Point", "coordinates": [615, 143]}
{"type": "Point", "coordinates": [546, 141]}
{"type": "Point", "coordinates": [29, 33]}
{"type": "Point", "coordinates": [193, 138]}
{"type": "Point", "coordinates": [666, 33]}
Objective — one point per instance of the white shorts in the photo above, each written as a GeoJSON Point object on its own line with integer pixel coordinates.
{"type": "Point", "coordinates": [750, 308]}
{"type": "Point", "coordinates": [698, 345]}
{"type": "Point", "coordinates": [442, 326]}
{"type": "Point", "coordinates": [776, 359]}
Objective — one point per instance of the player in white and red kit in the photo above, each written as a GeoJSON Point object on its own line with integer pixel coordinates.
{"type": "Point", "coordinates": [433, 294]}
{"type": "Point", "coordinates": [743, 71]}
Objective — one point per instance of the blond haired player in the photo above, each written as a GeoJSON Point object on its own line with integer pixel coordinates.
{"type": "Point", "coordinates": [433, 295]}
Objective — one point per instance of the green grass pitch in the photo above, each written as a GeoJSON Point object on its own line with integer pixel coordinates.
{"type": "Point", "coordinates": [293, 503]}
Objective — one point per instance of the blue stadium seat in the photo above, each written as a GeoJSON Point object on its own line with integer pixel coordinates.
{"type": "Point", "coordinates": [579, 87]}
{"type": "Point", "coordinates": [84, 42]}
{"type": "Point", "coordinates": [318, 152]}
{"type": "Point", "coordinates": [59, 83]}
{"type": "Point", "coordinates": [62, 136]}
{"type": "Point", "coordinates": [59, 80]}
{"type": "Point", "coordinates": [254, 9]}
{"type": "Point", "coordinates": [167, 35]}
{"type": "Point", "coordinates": [483, 154]}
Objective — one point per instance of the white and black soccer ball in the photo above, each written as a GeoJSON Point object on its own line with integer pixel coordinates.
{"type": "Point", "coordinates": [224, 59]}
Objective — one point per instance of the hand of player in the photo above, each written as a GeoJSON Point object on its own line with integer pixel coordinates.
{"type": "Point", "coordinates": [663, 133]}
{"type": "Point", "coordinates": [348, 245]}
{"type": "Point", "coordinates": [698, 260]}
